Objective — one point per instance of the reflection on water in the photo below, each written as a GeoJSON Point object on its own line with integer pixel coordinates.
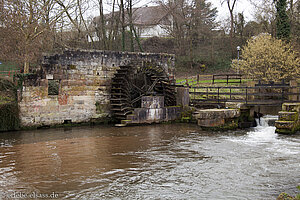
{"type": "Point", "coordinates": [177, 161]}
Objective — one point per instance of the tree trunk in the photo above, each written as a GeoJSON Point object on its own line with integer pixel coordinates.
{"type": "Point", "coordinates": [231, 25]}
{"type": "Point", "coordinates": [26, 66]}
{"type": "Point", "coordinates": [137, 40]}
{"type": "Point", "coordinates": [231, 34]}
{"type": "Point", "coordinates": [103, 28]}
{"type": "Point", "coordinates": [123, 24]}
{"type": "Point", "coordinates": [129, 11]}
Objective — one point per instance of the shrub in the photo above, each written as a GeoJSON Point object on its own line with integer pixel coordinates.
{"type": "Point", "coordinates": [267, 58]}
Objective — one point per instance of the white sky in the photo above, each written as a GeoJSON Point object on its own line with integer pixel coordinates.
{"type": "Point", "coordinates": [223, 12]}
{"type": "Point", "coordinates": [241, 6]}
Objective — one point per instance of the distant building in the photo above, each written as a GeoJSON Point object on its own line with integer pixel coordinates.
{"type": "Point", "coordinates": [149, 22]}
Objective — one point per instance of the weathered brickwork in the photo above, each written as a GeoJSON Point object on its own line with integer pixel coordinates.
{"type": "Point", "coordinates": [83, 79]}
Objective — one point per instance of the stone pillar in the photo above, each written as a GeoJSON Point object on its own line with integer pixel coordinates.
{"type": "Point", "coordinates": [182, 96]}
{"type": "Point", "coordinates": [293, 83]}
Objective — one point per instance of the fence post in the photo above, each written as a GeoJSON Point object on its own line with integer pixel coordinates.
{"type": "Point", "coordinates": [246, 95]}
{"type": "Point", "coordinates": [227, 78]}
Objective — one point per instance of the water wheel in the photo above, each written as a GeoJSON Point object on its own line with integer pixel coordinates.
{"type": "Point", "coordinates": [129, 85]}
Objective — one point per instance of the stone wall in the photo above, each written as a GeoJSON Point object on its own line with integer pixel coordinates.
{"type": "Point", "coordinates": [83, 80]}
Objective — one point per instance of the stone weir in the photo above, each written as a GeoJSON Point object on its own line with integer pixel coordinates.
{"type": "Point", "coordinates": [236, 115]}
{"type": "Point", "coordinates": [74, 86]}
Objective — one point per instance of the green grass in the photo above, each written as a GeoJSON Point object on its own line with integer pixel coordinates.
{"type": "Point", "coordinates": [212, 93]}
{"type": "Point", "coordinates": [218, 82]}
{"type": "Point", "coordinates": [5, 66]}
{"type": "Point", "coordinates": [8, 66]}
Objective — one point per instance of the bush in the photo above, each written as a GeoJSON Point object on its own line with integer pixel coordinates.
{"type": "Point", "coordinates": [267, 58]}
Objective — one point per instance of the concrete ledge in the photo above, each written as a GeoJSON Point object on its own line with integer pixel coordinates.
{"type": "Point", "coordinates": [220, 119]}
{"type": "Point", "coordinates": [217, 114]}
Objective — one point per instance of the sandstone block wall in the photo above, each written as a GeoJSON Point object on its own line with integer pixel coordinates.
{"type": "Point", "coordinates": [84, 79]}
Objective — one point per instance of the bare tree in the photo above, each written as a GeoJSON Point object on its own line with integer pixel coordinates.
{"type": "Point", "coordinates": [74, 11]}
{"type": "Point", "coordinates": [27, 21]}
{"type": "Point", "coordinates": [231, 5]}
{"type": "Point", "coordinates": [133, 33]}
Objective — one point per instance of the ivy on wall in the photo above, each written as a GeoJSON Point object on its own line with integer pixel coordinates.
{"type": "Point", "coordinates": [9, 110]}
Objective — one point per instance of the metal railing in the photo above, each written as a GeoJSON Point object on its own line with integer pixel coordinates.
{"type": "Point", "coordinates": [257, 95]}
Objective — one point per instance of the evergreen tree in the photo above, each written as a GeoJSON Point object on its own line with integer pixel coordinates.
{"type": "Point", "coordinates": [283, 26]}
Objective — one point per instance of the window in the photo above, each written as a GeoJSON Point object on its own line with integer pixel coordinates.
{"type": "Point", "coordinates": [53, 87]}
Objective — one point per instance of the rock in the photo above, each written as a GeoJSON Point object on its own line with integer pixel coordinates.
{"type": "Point", "coordinates": [285, 196]}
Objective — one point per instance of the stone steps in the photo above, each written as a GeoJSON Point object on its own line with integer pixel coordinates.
{"type": "Point", "coordinates": [288, 119]}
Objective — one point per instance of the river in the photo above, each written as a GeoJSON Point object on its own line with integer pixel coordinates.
{"type": "Point", "coordinates": [168, 161]}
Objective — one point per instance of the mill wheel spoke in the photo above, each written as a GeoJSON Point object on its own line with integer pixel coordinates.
{"type": "Point", "coordinates": [130, 85]}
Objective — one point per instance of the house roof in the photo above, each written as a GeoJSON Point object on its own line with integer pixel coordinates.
{"type": "Point", "coordinates": [143, 16]}
{"type": "Point", "coordinates": [149, 15]}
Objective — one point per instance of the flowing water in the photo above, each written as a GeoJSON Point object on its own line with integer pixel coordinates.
{"type": "Point", "coordinates": [175, 161]}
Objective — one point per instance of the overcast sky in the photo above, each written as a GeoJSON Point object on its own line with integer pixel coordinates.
{"type": "Point", "coordinates": [241, 6]}
{"type": "Point", "coordinates": [223, 12]}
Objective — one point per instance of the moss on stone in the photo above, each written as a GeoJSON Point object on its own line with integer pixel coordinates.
{"type": "Point", "coordinates": [72, 67]}
{"type": "Point", "coordinates": [101, 108]}
{"type": "Point", "coordinates": [285, 196]}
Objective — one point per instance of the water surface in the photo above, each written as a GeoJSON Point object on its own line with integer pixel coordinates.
{"type": "Point", "coordinates": [175, 161]}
